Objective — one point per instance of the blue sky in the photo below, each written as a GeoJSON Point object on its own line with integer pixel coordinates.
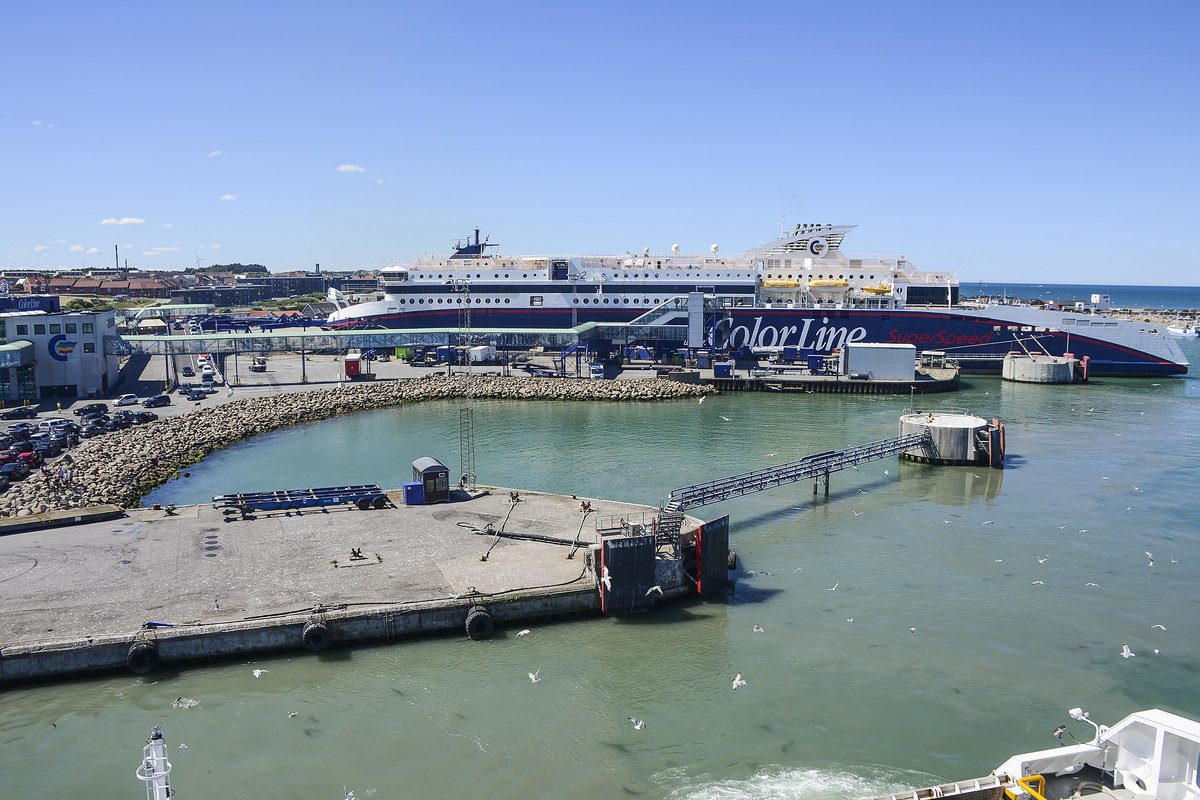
{"type": "Point", "coordinates": [1026, 142]}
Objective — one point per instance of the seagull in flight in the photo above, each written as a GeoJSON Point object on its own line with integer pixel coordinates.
{"type": "Point", "coordinates": [1094, 585]}
{"type": "Point", "coordinates": [1126, 652]}
{"type": "Point", "coordinates": [605, 578]}
{"type": "Point", "coordinates": [727, 419]}
{"type": "Point", "coordinates": [760, 629]}
{"type": "Point", "coordinates": [638, 724]}
{"type": "Point", "coordinates": [1041, 559]}
{"type": "Point", "coordinates": [258, 673]}
{"type": "Point", "coordinates": [986, 522]}
{"type": "Point", "coordinates": [654, 588]}
{"type": "Point", "coordinates": [292, 714]}
{"type": "Point", "coordinates": [1038, 583]}
{"type": "Point", "coordinates": [534, 676]}
{"type": "Point", "coordinates": [834, 587]}
{"type": "Point", "coordinates": [702, 399]}
{"type": "Point", "coordinates": [523, 632]}
{"type": "Point", "coordinates": [856, 513]}
{"type": "Point", "coordinates": [912, 630]}
{"type": "Point", "coordinates": [737, 681]}
{"type": "Point", "coordinates": [1160, 627]}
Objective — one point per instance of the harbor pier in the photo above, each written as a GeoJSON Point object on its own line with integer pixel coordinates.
{"type": "Point", "coordinates": [181, 585]}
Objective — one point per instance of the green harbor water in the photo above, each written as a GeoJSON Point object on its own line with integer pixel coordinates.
{"type": "Point", "coordinates": [991, 567]}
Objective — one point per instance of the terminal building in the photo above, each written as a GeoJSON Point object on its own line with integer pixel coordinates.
{"type": "Point", "coordinates": [50, 354]}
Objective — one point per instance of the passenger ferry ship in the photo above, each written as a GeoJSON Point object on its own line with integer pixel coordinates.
{"type": "Point", "coordinates": [799, 290]}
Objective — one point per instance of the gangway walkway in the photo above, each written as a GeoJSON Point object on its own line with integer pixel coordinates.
{"type": "Point", "coordinates": [817, 466]}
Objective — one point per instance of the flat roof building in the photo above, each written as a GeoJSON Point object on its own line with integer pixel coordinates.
{"type": "Point", "coordinates": [55, 355]}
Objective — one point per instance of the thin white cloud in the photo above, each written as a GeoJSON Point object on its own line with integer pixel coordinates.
{"type": "Point", "coordinates": [76, 248]}
{"type": "Point", "coordinates": [40, 248]}
{"type": "Point", "coordinates": [122, 221]}
{"type": "Point", "coordinates": [59, 241]}
{"type": "Point", "coordinates": [168, 225]}
{"type": "Point", "coordinates": [229, 197]}
{"type": "Point", "coordinates": [214, 153]}
{"type": "Point", "coordinates": [350, 168]}
{"type": "Point", "coordinates": [93, 249]}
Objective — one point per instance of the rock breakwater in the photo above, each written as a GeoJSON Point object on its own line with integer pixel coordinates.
{"type": "Point", "coordinates": [122, 466]}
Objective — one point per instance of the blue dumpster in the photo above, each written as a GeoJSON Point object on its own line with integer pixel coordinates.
{"type": "Point", "coordinates": [414, 493]}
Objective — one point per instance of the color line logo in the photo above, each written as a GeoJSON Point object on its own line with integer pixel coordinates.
{"type": "Point", "coordinates": [60, 348]}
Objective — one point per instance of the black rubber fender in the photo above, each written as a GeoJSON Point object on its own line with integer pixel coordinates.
{"type": "Point", "coordinates": [479, 623]}
{"type": "Point", "coordinates": [142, 657]}
{"type": "Point", "coordinates": [315, 635]}
{"type": "Point", "coordinates": [364, 503]}
{"type": "Point", "coordinates": [732, 559]}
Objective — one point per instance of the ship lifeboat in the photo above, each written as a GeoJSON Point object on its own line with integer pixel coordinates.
{"type": "Point", "coordinates": [828, 289]}
{"type": "Point", "coordinates": [880, 289]}
{"type": "Point", "coordinates": [780, 283]}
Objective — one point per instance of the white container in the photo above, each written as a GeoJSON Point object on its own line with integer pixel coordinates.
{"type": "Point", "coordinates": [880, 362]}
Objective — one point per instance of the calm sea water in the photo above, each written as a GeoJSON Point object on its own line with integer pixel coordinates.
{"type": "Point", "coordinates": [990, 566]}
{"type": "Point", "coordinates": [1153, 297]}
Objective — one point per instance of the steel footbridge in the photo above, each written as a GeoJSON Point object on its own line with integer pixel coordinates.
{"type": "Point", "coordinates": [818, 466]}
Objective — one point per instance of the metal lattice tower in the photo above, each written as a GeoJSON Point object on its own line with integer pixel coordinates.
{"type": "Point", "coordinates": [466, 408]}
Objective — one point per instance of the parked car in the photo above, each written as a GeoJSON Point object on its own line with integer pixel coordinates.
{"type": "Point", "coordinates": [30, 459]}
{"type": "Point", "coordinates": [157, 400]}
{"type": "Point", "coordinates": [55, 424]}
{"type": "Point", "coordinates": [16, 471]}
{"type": "Point", "coordinates": [90, 408]}
{"type": "Point", "coordinates": [95, 429]}
{"type": "Point", "coordinates": [20, 412]}
{"type": "Point", "coordinates": [48, 449]}
{"type": "Point", "coordinates": [187, 371]}
{"type": "Point", "coordinates": [119, 423]}
{"type": "Point", "coordinates": [196, 394]}
{"type": "Point", "coordinates": [18, 428]}
{"type": "Point", "coordinates": [142, 417]}
{"type": "Point", "coordinates": [126, 400]}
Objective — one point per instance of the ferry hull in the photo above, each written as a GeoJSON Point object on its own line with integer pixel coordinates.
{"type": "Point", "coordinates": [980, 339]}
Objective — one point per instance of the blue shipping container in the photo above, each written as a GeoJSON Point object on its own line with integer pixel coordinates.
{"type": "Point", "coordinates": [414, 493]}
{"type": "Point", "coordinates": [722, 369]}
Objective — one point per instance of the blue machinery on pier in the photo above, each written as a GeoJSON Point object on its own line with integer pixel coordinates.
{"type": "Point", "coordinates": [364, 496]}
{"type": "Point", "coordinates": [817, 466]}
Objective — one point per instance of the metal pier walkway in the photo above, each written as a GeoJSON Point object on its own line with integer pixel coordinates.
{"type": "Point", "coordinates": [817, 466]}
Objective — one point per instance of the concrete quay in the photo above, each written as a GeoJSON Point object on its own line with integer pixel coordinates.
{"type": "Point", "coordinates": [150, 589]}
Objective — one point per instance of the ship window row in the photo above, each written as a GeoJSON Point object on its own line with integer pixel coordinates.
{"type": "Point", "coordinates": [582, 288]}
{"type": "Point", "coordinates": [458, 301]}
{"type": "Point", "coordinates": [615, 276]}
{"type": "Point", "coordinates": [616, 301]}
{"type": "Point", "coordinates": [840, 277]}
{"type": "Point", "coordinates": [536, 300]}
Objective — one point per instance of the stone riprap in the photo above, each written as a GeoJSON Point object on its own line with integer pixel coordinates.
{"type": "Point", "coordinates": [122, 466]}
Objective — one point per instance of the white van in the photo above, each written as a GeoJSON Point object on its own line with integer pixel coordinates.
{"type": "Point", "coordinates": [54, 425]}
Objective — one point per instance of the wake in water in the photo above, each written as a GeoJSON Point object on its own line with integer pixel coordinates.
{"type": "Point", "coordinates": [833, 783]}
